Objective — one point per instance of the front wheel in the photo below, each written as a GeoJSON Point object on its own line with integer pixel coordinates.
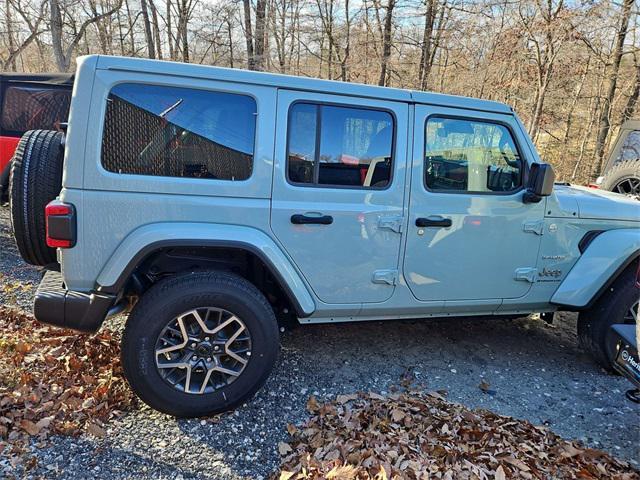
{"type": "Point", "coordinates": [199, 344]}
{"type": "Point", "coordinates": [618, 304]}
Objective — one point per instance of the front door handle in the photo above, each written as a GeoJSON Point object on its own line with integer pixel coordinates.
{"type": "Point", "coordinates": [299, 219]}
{"type": "Point", "coordinates": [433, 221]}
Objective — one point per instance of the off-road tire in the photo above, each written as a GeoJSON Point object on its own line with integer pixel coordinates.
{"type": "Point", "coordinates": [628, 170]}
{"type": "Point", "coordinates": [35, 180]}
{"type": "Point", "coordinates": [594, 324]}
{"type": "Point", "coordinates": [172, 297]}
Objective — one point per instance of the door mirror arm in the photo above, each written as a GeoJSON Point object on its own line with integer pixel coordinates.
{"type": "Point", "coordinates": [540, 183]}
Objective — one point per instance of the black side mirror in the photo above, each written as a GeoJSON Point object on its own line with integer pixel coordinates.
{"type": "Point", "coordinates": [540, 184]}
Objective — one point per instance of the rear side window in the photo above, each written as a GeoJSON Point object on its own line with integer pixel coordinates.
{"type": "Point", "coordinates": [178, 132]}
{"type": "Point", "coordinates": [470, 156]}
{"type": "Point", "coordinates": [34, 108]}
{"type": "Point", "coordinates": [339, 146]}
{"type": "Point", "coordinates": [631, 147]}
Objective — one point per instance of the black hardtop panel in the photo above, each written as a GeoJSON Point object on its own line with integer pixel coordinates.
{"type": "Point", "coordinates": [50, 78]}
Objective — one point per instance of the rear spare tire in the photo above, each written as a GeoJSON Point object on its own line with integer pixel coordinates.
{"type": "Point", "coordinates": [623, 177]}
{"type": "Point", "coordinates": [35, 180]}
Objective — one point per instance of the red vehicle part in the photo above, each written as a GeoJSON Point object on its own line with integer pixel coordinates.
{"type": "Point", "coordinates": [7, 148]}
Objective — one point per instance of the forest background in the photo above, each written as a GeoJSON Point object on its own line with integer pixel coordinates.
{"type": "Point", "coordinates": [570, 69]}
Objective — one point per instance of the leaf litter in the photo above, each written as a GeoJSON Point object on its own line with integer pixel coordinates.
{"type": "Point", "coordinates": [416, 434]}
{"type": "Point", "coordinates": [55, 381]}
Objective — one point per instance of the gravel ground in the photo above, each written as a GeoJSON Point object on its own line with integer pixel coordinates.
{"type": "Point", "coordinates": [536, 372]}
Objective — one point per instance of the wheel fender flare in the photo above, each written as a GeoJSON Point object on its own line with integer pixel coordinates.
{"type": "Point", "coordinates": [601, 263]}
{"type": "Point", "coordinates": [147, 239]}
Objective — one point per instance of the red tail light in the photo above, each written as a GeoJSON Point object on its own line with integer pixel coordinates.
{"type": "Point", "coordinates": [60, 224]}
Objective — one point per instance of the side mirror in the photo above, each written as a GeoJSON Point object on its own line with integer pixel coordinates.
{"type": "Point", "coordinates": [540, 184]}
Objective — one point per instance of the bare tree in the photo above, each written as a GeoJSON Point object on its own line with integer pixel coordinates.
{"type": "Point", "coordinates": [386, 41]}
{"type": "Point", "coordinates": [604, 122]}
{"type": "Point", "coordinates": [151, 49]}
{"type": "Point", "coordinates": [33, 22]}
{"type": "Point", "coordinates": [62, 53]}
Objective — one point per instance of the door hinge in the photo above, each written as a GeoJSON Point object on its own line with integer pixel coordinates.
{"type": "Point", "coordinates": [526, 274]}
{"type": "Point", "coordinates": [388, 277]}
{"type": "Point", "coordinates": [534, 227]}
{"type": "Point", "coordinates": [392, 222]}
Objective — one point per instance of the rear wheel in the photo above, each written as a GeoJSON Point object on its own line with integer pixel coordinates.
{"type": "Point", "coordinates": [623, 177]}
{"type": "Point", "coordinates": [35, 180]}
{"type": "Point", "coordinates": [199, 344]}
{"type": "Point", "coordinates": [619, 304]}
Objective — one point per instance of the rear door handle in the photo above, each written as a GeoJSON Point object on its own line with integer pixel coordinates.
{"type": "Point", "coordinates": [299, 219]}
{"type": "Point", "coordinates": [433, 221]}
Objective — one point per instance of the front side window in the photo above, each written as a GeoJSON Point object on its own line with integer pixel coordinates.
{"type": "Point", "coordinates": [631, 147]}
{"type": "Point", "coordinates": [339, 146]}
{"type": "Point", "coordinates": [470, 156]}
{"type": "Point", "coordinates": [178, 132]}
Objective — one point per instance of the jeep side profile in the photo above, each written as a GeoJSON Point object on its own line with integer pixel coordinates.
{"type": "Point", "coordinates": [214, 203]}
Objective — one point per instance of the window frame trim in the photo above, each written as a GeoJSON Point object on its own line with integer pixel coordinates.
{"type": "Point", "coordinates": [316, 162]}
{"type": "Point", "coordinates": [523, 161]}
{"type": "Point", "coordinates": [104, 171]}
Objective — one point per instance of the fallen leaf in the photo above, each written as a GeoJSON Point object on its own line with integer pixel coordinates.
{"type": "Point", "coordinates": [30, 427]}
{"type": "Point", "coordinates": [346, 398]}
{"type": "Point", "coordinates": [397, 415]}
{"type": "Point", "coordinates": [312, 404]}
{"type": "Point", "coordinates": [284, 448]}
{"type": "Point", "coordinates": [96, 430]}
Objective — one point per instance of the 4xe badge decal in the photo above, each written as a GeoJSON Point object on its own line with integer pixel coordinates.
{"type": "Point", "coordinates": [547, 272]}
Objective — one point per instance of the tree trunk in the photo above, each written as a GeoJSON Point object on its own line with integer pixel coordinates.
{"type": "Point", "coordinates": [156, 29]}
{"type": "Point", "coordinates": [347, 48]}
{"type": "Point", "coordinates": [56, 36]}
{"type": "Point", "coordinates": [259, 50]}
{"type": "Point", "coordinates": [604, 122]}
{"type": "Point", "coordinates": [574, 102]}
{"type": "Point", "coordinates": [172, 48]}
{"type": "Point", "coordinates": [11, 64]}
{"type": "Point", "coordinates": [183, 23]}
{"type": "Point", "coordinates": [386, 43]}
{"type": "Point", "coordinates": [425, 55]}
{"type": "Point", "coordinates": [248, 34]}
{"type": "Point", "coordinates": [151, 51]}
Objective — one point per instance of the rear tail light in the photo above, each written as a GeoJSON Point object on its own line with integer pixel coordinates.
{"type": "Point", "coordinates": [61, 224]}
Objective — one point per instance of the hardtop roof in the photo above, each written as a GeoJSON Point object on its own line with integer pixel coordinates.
{"type": "Point", "coordinates": [51, 78]}
{"type": "Point", "coordinates": [161, 67]}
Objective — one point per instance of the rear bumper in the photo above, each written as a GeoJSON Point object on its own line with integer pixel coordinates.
{"type": "Point", "coordinates": [56, 305]}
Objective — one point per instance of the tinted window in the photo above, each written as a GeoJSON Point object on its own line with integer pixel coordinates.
{"type": "Point", "coordinates": [339, 146]}
{"type": "Point", "coordinates": [178, 132]}
{"type": "Point", "coordinates": [34, 108]}
{"type": "Point", "coordinates": [472, 156]}
{"type": "Point", "coordinates": [631, 147]}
